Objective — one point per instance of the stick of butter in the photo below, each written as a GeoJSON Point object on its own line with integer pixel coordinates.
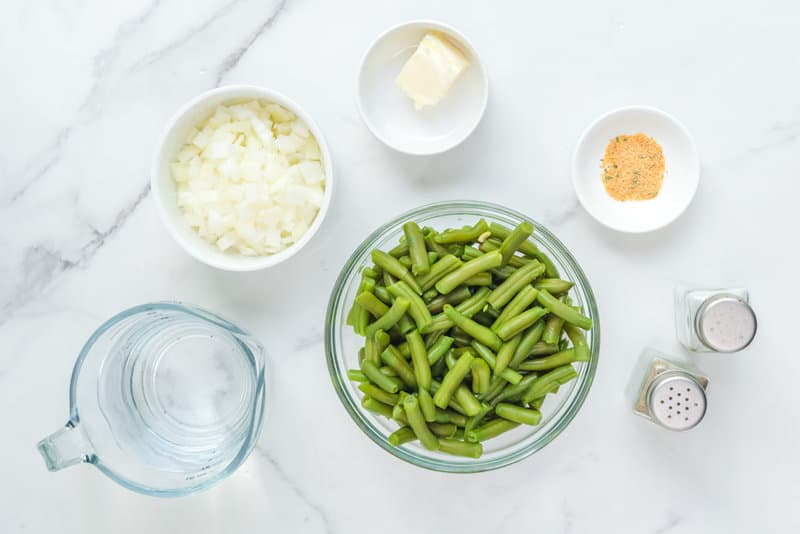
{"type": "Point", "coordinates": [430, 72]}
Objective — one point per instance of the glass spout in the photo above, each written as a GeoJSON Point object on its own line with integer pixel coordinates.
{"type": "Point", "coordinates": [68, 446]}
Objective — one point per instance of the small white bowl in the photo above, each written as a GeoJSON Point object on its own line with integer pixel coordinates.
{"type": "Point", "coordinates": [681, 176]}
{"type": "Point", "coordinates": [390, 114]}
{"type": "Point", "coordinates": [163, 185]}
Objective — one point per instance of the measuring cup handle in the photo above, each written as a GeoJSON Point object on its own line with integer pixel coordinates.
{"type": "Point", "coordinates": [68, 446]}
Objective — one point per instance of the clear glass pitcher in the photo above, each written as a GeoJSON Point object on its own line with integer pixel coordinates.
{"type": "Point", "coordinates": [166, 399]}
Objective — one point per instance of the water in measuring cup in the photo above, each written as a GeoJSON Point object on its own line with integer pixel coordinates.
{"type": "Point", "coordinates": [178, 393]}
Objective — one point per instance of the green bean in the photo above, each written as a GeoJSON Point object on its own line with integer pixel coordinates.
{"type": "Point", "coordinates": [475, 266]}
{"type": "Point", "coordinates": [496, 388]}
{"type": "Point", "coordinates": [477, 331]}
{"type": "Point", "coordinates": [370, 302]}
{"type": "Point", "coordinates": [549, 362]}
{"type": "Point", "coordinates": [480, 279]}
{"type": "Point", "coordinates": [426, 405]}
{"type": "Point", "coordinates": [467, 400]}
{"type": "Point", "coordinates": [527, 248]}
{"type": "Point", "coordinates": [494, 244]}
{"type": "Point", "coordinates": [455, 297]}
{"type": "Point", "coordinates": [369, 272]}
{"type": "Point", "coordinates": [417, 308]}
{"type": "Point", "coordinates": [356, 375]}
{"type": "Point", "coordinates": [404, 349]}
{"type": "Point", "coordinates": [582, 351]}
{"type": "Point", "coordinates": [379, 379]}
{"type": "Point", "coordinates": [432, 257]}
{"type": "Point", "coordinates": [555, 286]}
{"type": "Point", "coordinates": [518, 414]}
{"type": "Point", "coordinates": [481, 376]}
{"type": "Point", "coordinates": [405, 324]}
{"type": "Point", "coordinates": [460, 448]}
{"type": "Point", "coordinates": [417, 423]}
{"type": "Point", "coordinates": [419, 359]}
{"type": "Point", "coordinates": [483, 318]}
{"type": "Point", "coordinates": [398, 412]}
{"type": "Point", "coordinates": [388, 279]}
{"type": "Point", "coordinates": [378, 394]}
{"type": "Point", "coordinates": [490, 430]}
{"type": "Point", "coordinates": [505, 354]}
{"type": "Point", "coordinates": [471, 253]}
{"type": "Point", "coordinates": [512, 285]}
{"type": "Point", "coordinates": [514, 326]}
{"type": "Point", "coordinates": [366, 284]}
{"type": "Point", "coordinates": [512, 242]}
{"type": "Point", "coordinates": [430, 241]}
{"type": "Point", "coordinates": [514, 392]}
{"type": "Point", "coordinates": [468, 308]}
{"type": "Point", "coordinates": [377, 407]}
{"type": "Point", "coordinates": [392, 266]}
{"type": "Point", "coordinates": [392, 357]}
{"type": "Point", "coordinates": [390, 318]}
{"type": "Point", "coordinates": [452, 380]}
{"type": "Point", "coordinates": [388, 371]}
{"type": "Point", "coordinates": [476, 419]}
{"type": "Point", "coordinates": [429, 295]}
{"type": "Point", "coordinates": [542, 349]}
{"type": "Point", "coordinates": [456, 418]}
{"type": "Point", "coordinates": [405, 261]}
{"type": "Point", "coordinates": [542, 385]}
{"type": "Point", "coordinates": [563, 310]}
{"type": "Point", "coordinates": [517, 305]}
{"type": "Point", "coordinates": [552, 330]}
{"type": "Point", "coordinates": [416, 248]}
{"type": "Point", "coordinates": [467, 234]}
{"type": "Point", "coordinates": [485, 352]}
{"type": "Point", "coordinates": [503, 272]}
{"type": "Point", "coordinates": [383, 294]}
{"type": "Point", "coordinates": [444, 430]}
{"type": "Point", "coordinates": [400, 250]}
{"type": "Point", "coordinates": [439, 348]}
{"type": "Point", "coordinates": [536, 404]}
{"type": "Point", "coordinates": [402, 435]}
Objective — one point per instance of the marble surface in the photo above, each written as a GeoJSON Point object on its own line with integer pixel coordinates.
{"type": "Point", "coordinates": [88, 87]}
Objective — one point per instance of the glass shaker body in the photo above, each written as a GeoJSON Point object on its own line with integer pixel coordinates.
{"type": "Point", "coordinates": [714, 320]}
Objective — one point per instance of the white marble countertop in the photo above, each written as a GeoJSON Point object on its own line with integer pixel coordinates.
{"type": "Point", "coordinates": [88, 87]}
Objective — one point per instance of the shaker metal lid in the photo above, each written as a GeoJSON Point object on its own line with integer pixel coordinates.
{"type": "Point", "coordinates": [726, 323]}
{"type": "Point", "coordinates": [676, 400]}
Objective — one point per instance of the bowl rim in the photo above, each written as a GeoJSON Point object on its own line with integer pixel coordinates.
{"type": "Point", "coordinates": [462, 40]}
{"type": "Point", "coordinates": [352, 406]}
{"type": "Point", "coordinates": [237, 91]}
{"type": "Point", "coordinates": [587, 206]}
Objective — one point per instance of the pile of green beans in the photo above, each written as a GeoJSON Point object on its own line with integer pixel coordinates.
{"type": "Point", "coordinates": [466, 332]}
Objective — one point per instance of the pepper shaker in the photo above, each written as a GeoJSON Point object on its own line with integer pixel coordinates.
{"type": "Point", "coordinates": [714, 320]}
{"type": "Point", "coordinates": [668, 392]}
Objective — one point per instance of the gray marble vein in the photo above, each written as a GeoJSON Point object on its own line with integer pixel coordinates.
{"type": "Point", "coordinates": [233, 59]}
{"type": "Point", "coordinates": [297, 491]}
{"type": "Point", "coordinates": [42, 265]}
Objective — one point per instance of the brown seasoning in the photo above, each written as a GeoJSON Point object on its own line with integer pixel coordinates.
{"type": "Point", "coordinates": [633, 167]}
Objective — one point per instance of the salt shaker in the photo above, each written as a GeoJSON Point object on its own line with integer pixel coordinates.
{"type": "Point", "coordinates": [668, 391]}
{"type": "Point", "coordinates": [714, 320]}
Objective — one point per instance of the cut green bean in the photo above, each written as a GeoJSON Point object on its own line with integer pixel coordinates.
{"type": "Point", "coordinates": [542, 385]}
{"type": "Point", "coordinates": [419, 359]}
{"type": "Point", "coordinates": [379, 379]}
{"type": "Point", "coordinates": [480, 279]}
{"type": "Point", "coordinates": [563, 310]}
{"type": "Point", "coordinates": [513, 393]}
{"type": "Point", "coordinates": [481, 376]}
{"type": "Point", "coordinates": [490, 430]}
{"type": "Point", "coordinates": [455, 297]}
{"type": "Point", "coordinates": [512, 285]}
{"type": "Point", "coordinates": [378, 394]}
{"type": "Point", "coordinates": [497, 387]}
{"type": "Point", "coordinates": [377, 407]}
{"type": "Point", "coordinates": [417, 423]}
{"type": "Point", "coordinates": [543, 349]}
{"type": "Point", "coordinates": [400, 250]}
{"type": "Point", "coordinates": [555, 286]}
{"type": "Point", "coordinates": [486, 353]}
{"type": "Point", "coordinates": [477, 331]}
{"type": "Point", "coordinates": [443, 430]}
{"type": "Point", "coordinates": [505, 354]}
{"type": "Point", "coordinates": [390, 318]}
{"type": "Point", "coordinates": [460, 448]}
{"type": "Point", "coordinates": [439, 349]}
{"type": "Point", "coordinates": [392, 357]}
{"type": "Point", "coordinates": [475, 266]}
{"type": "Point", "coordinates": [416, 308]}
{"type": "Point", "coordinates": [372, 304]}
{"type": "Point", "coordinates": [514, 326]}
{"type": "Point", "coordinates": [393, 267]}
{"type": "Point", "coordinates": [356, 375]}
{"type": "Point", "coordinates": [416, 248]}
{"type": "Point", "coordinates": [468, 234]}
{"type": "Point", "coordinates": [582, 351]}
{"type": "Point", "coordinates": [549, 362]}
{"type": "Point", "coordinates": [527, 248]}
{"type": "Point", "coordinates": [552, 330]}
{"type": "Point", "coordinates": [467, 400]}
{"type": "Point", "coordinates": [513, 240]}
{"type": "Point", "coordinates": [383, 294]}
{"type": "Point", "coordinates": [476, 419]}
{"type": "Point", "coordinates": [402, 435]}
{"type": "Point", "coordinates": [517, 305]}
{"type": "Point", "coordinates": [529, 339]}
{"type": "Point", "coordinates": [452, 380]}
{"type": "Point", "coordinates": [518, 414]}
{"type": "Point", "coordinates": [426, 405]}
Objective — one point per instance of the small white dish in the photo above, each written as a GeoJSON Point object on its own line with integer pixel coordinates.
{"type": "Point", "coordinates": [681, 176]}
{"type": "Point", "coordinates": [390, 114]}
{"type": "Point", "coordinates": [163, 185]}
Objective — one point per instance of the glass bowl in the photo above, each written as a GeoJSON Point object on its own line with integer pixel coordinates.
{"type": "Point", "coordinates": [342, 344]}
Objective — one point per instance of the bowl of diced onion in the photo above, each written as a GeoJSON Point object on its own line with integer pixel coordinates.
{"type": "Point", "coordinates": [242, 177]}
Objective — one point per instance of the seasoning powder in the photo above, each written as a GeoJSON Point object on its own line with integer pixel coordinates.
{"type": "Point", "coordinates": [633, 167]}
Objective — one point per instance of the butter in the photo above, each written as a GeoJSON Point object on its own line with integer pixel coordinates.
{"type": "Point", "coordinates": [431, 71]}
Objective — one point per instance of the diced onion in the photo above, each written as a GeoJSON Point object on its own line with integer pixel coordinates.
{"type": "Point", "coordinates": [250, 178]}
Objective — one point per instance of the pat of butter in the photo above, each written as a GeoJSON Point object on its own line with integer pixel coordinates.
{"type": "Point", "coordinates": [431, 71]}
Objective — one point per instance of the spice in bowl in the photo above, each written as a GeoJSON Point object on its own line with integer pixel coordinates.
{"type": "Point", "coordinates": [633, 167]}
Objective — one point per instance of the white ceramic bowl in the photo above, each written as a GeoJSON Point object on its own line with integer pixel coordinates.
{"type": "Point", "coordinates": [163, 185]}
{"type": "Point", "coordinates": [390, 114]}
{"type": "Point", "coordinates": [681, 177]}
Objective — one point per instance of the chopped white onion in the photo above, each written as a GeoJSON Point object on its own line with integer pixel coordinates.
{"type": "Point", "coordinates": [249, 179]}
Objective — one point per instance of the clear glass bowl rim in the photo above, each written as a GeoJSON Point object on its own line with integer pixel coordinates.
{"type": "Point", "coordinates": [338, 373]}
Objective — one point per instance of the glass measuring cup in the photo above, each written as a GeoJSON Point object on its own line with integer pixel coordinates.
{"type": "Point", "coordinates": [166, 399]}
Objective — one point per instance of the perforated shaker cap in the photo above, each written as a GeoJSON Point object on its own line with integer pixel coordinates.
{"type": "Point", "coordinates": [676, 401]}
{"type": "Point", "coordinates": [726, 323]}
